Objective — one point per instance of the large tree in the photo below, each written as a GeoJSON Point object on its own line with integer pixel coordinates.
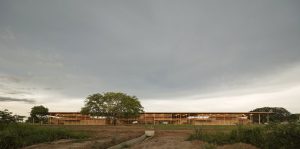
{"type": "Point", "coordinates": [279, 114]}
{"type": "Point", "coordinates": [112, 105]}
{"type": "Point", "coordinates": [38, 114]}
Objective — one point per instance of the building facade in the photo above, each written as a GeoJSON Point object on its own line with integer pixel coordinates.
{"type": "Point", "coordinates": [74, 118]}
{"type": "Point", "coordinates": [192, 118]}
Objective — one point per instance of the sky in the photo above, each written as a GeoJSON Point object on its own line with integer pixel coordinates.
{"type": "Point", "coordinates": [174, 55]}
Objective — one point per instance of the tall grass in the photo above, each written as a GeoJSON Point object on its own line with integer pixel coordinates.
{"type": "Point", "coordinates": [265, 137]}
{"type": "Point", "coordinates": [20, 135]}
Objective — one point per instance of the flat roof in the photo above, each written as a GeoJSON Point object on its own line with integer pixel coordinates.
{"type": "Point", "coordinates": [207, 112]}
{"type": "Point", "coordinates": [65, 112]}
{"type": "Point", "coordinates": [180, 112]}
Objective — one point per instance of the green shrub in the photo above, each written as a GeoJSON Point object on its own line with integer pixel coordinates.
{"type": "Point", "coordinates": [209, 146]}
{"type": "Point", "coordinates": [20, 135]}
{"type": "Point", "coordinates": [266, 137]}
{"type": "Point", "coordinates": [251, 135]}
{"type": "Point", "coordinates": [283, 136]}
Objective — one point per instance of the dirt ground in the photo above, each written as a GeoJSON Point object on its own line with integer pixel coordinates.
{"type": "Point", "coordinates": [168, 139]}
{"type": "Point", "coordinates": [101, 137]}
{"type": "Point", "coordinates": [176, 139]}
{"type": "Point", "coordinates": [106, 136]}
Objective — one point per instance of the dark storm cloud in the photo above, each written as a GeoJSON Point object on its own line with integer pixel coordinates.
{"type": "Point", "coordinates": [8, 99]}
{"type": "Point", "coordinates": [147, 48]}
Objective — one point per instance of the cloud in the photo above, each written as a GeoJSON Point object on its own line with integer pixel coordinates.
{"type": "Point", "coordinates": [156, 50]}
{"type": "Point", "coordinates": [10, 79]}
{"type": "Point", "coordinates": [287, 98]}
{"type": "Point", "coordinates": [9, 99]}
{"type": "Point", "coordinates": [6, 34]}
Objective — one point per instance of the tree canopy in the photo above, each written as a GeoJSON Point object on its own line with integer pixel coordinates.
{"type": "Point", "coordinates": [279, 114]}
{"type": "Point", "coordinates": [6, 117]}
{"type": "Point", "coordinates": [112, 105]}
{"type": "Point", "coordinates": [38, 114]}
{"type": "Point", "coordinates": [294, 118]}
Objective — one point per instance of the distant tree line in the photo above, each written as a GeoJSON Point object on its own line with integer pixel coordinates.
{"type": "Point", "coordinates": [112, 105]}
{"type": "Point", "coordinates": [7, 117]}
{"type": "Point", "coordinates": [278, 115]}
{"type": "Point", "coordinates": [38, 114]}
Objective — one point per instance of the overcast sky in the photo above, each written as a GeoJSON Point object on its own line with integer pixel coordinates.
{"type": "Point", "coordinates": [173, 55]}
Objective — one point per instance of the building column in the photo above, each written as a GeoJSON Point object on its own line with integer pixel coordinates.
{"type": "Point", "coordinates": [180, 119]}
{"type": "Point", "coordinates": [258, 118]}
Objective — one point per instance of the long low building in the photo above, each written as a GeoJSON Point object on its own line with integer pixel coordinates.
{"type": "Point", "coordinates": [192, 118]}
{"type": "Point", "coordinates": [74, 118]}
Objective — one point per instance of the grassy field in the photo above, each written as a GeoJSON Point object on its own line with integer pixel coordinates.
{"type": "Point", "coordinates": [265, 137]}
{"type": "Point", "coordinates": [268, 136]}
{"type": "Point", "coordinates": [20, 135]}
{"type": "Point", "coordinates": [16, 136]}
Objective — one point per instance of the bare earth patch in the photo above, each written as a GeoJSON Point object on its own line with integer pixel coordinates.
{"type": "Point", "coordinates": [101, 137]}
{"type": "Point", "coordinates": [171, 139]}
{"type": "Point", "coordinates": [176, 139]}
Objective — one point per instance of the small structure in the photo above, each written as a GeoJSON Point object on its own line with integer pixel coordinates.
{"type": "Point", "coordinates": [192, 118]}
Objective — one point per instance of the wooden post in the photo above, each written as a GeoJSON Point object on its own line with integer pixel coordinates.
{"type": "Point", "coordinates": [189, 120]}
{"type": "Point", "coordinates": [154, 119]}
{"type": "Point", "coordinates": [258, 118]}
{"type": "Point", "coordinates": [268, 118]}
{"type": "Point", "coordinates": [180, 119]}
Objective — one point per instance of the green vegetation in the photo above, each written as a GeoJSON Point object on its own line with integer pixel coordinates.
{"type": "Point", "coordinates": [293, 118]}
{"type": "Point", "coordinates": [112, 105]}
{"type": "Point", "coordinates": [265, 137]}
{"type": "Point", "coordinates": [209, 146]}
{"type": "Point", "coordinates": [6, 117]}
{"type": "Point", "coordinates": [279, 115]}
{"type": "Point", "coordinates": [38, 114]}
{"type": "Point", "coordinates": [20, 135]}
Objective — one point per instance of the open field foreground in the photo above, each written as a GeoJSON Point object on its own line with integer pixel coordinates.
{"type": "Point", "coordinates": [176, 139]}
{"type": "Point", "coordinates": [99, 137]}
{"type": "Point", "coordinates": [166, 137]}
